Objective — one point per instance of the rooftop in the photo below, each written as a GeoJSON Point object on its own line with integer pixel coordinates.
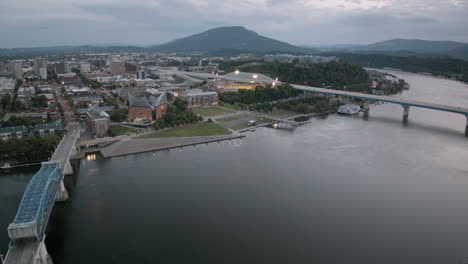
{"type": "Point", "coordinates": [96, 113]}
{"type": "Point", "coordinates": [13, 129]}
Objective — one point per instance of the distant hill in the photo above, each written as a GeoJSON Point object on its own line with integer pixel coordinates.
{"type": "Point", "coordinates": [416, 45]}
{"type": "Point", "coordinates": [230, 40]}
{"type": "Point", "coordinates": [461, 52]}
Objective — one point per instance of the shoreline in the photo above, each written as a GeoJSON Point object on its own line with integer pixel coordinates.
{"type": "Point", "coordinates": [137, 146]}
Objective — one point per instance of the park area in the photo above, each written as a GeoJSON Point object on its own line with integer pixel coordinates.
{"type": "Point", "coordinates": [211, 111]}
{"type": "Point", "coordinates": [197, 130]}
{"type": "Point", "coordinates": [117, 130]}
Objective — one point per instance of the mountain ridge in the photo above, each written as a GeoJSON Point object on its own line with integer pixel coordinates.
{"type": "Point", "coordinates": [229, 38]}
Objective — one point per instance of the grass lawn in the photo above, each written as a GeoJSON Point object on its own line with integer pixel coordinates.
{"type": "Point", "coordinates": [230, 118]}
{"type": "Point", "coordinates": [282, 113]}
{"type": "Point", "coordinates": [121, 130]}
{"type": "Point", "coordinates": [178, 79]}
{"type": "Point", "coordinates": [211, 111]}
{"type": "Point", "coordinates": [202, 129]}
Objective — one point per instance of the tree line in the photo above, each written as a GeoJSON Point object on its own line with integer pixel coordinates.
{"type": "Point", "coordinates": [260, 94]}
{"type": "Point", "coordinates": [30, 149]}
{"type": "Point", "coordinates": [447, 67]}
{"type": "Point", "coordinates": [177, 114]}
{"type": "Point", "coordinates": [337, 75]}
{"type": "Point", "coordinates": [315, 104]}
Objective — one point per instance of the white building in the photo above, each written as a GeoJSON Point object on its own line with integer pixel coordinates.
{"type": "Point", "coordinates": [43, 73]}
{"type": "Point", "coordinates": [85, 67]}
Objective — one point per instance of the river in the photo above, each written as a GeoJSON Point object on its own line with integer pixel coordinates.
{"type": "Point", "coordinates": [338, 190]}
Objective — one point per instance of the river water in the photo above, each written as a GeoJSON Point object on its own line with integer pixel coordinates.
{"type": "Point", "coordinates": [338, 190]}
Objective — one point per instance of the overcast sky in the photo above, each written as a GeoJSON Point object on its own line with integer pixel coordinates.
{"type": "Point", "coordinates": [32, 23]}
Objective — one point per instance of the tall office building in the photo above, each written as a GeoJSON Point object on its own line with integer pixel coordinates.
{"type": "Point", "coordinates": [117, 67]}
{"type": "Point", "coordinates": [16, 68]}
{"type": "Point", "coordinates": [39, 63]}
{"type": "Point", "coordinates": [85, 67]}
{"type": "Point", "coordinates": [141, 74]}
{"type": "Point", "coordinates": [60, 67]}
{"type": "Point", "coordinates": [43, 73]}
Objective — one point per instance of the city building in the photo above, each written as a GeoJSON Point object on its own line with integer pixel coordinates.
{"type": "Point", "coordinates": [26, 92]}
{"type": "Point", "coordinates": [158, 105]}
{"type": "Point", "coordinates": [141, 75]}
{"type": "Point", "coordinates": [117, 67]}
{"type": "Point", "coordinates": [142, 108]}
{"type": "Point", "coordinates": [198, 99]}
{"type": "Point", "coordinates": [97, 120]}
{"type": "Point", "coordinates": [7, 133]}
{"type": "Point", "coordinates": [85, 67]}
{"type": "Point", "coordinates": [43, 73]}
{"type": "Point", "coordinates": [60, 67]}
{"type": "Point", "coordinates": [139, 108]}
{"type": "Point", "coordinates": [50, 98]}
{"type": "Point", "coordinates": [39, 63]}
{"type": "Point", "coordinates": [6, 86]}
{"type": "Point", "coordinates": [52, 128]}
{"type": "Point", "coordinates": [87, 100]}
{"type": "Point", "coordinates": [16, 69]}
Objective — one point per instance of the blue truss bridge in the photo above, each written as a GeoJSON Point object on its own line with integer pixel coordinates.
{"type": "Point", "coordinates": [27, 231]}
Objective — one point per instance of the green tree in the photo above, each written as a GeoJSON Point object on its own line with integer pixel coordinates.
{"type": "Point", "coordinates": [119, 115]}
{"type": "Point", "coordinates": [39, 101]}
{"type": "Point", "coordinates": [6, 100]}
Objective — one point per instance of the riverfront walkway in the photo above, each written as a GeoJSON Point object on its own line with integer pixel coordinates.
{"type": "Point", "coordinates": [129, 146]}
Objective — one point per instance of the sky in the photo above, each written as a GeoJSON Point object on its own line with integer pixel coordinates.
{"type": "Point", "coordinates": [38, 23]}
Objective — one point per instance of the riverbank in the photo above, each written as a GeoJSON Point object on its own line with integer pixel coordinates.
{"type": "Point", "coordinates": [130, 146]}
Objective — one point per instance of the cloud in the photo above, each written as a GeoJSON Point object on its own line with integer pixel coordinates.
{"type": "Point", "coordinates": [71, 22]}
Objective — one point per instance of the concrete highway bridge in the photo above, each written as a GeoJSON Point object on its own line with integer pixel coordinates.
{"type": "Point", "coordinates": [27, 231]}
{"type": "Point", "coordinates": [366, 97]}
{"type": "Point", "coordinates": [387, 99]}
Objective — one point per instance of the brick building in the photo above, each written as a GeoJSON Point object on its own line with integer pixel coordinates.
{"type": "Point", "coordinates": [198, 99]}
{"type": "Point", "coordinates": [148, 109]}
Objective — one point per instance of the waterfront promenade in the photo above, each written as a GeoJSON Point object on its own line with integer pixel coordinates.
{"type": "Point", "coordinates": [129, 146]}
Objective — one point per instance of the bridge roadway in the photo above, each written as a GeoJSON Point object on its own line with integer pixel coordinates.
{"type": "Point", "coordinates": [27, 232]}
{"type": "Point", "coordinates": [383, 98]}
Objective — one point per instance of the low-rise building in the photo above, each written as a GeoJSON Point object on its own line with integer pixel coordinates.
{"type": "Point", "coordinates": [90, 100]}
{"type": "Point", "coordinates": [198, 99]}
{"type": "Point", "coordinates": [139, 108]}
{"type": "Point", "coordinates": [7, 133]}
{"type": "Point", "coordinates": [97, 120]}
{"type": "Point", "coordinates": [50, 98]}
{"type": "Point", "coordinates": [51, 128]}
{"type": "Point", "coordinates": [142, 108]}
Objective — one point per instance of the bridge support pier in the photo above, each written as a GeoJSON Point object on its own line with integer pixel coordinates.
{"type": "Point", "coordinates": [61, 195]}
{"type": "Point", "coordinates": [365, 109]}
{"type": "Point", "coordinates": [42, 256]}
{"type": "Point", "coordinates": [68, 170]}
{"type": "Point", "coordinates": [405, 113]}
{"type": "Point", "coordinates": [466, 127]}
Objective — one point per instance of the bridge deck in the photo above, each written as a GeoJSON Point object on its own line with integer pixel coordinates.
{"type": "Point", "coordinates": [383, 98]}
{"type": "Point", "coordinates": [33, 213]}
